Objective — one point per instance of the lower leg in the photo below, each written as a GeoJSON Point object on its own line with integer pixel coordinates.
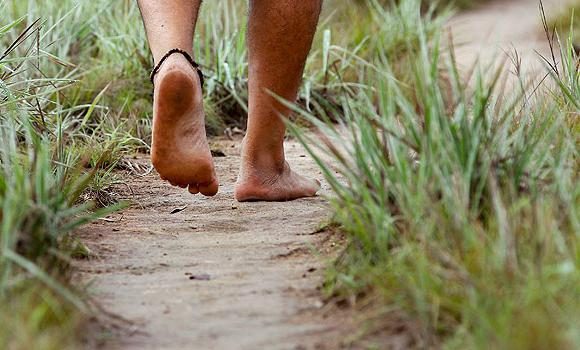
{"type": "Point", "coordinates": [169, 24]}
{"type": "Point", "coordinates": [280, 37]}
{"type": "Point", "coordinates": [179, 149]}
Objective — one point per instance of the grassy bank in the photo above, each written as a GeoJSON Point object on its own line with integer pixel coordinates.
{"type": "Point", "coordinates": [459, 198]}
{"type": "Point", "coordinates": [46, 174]}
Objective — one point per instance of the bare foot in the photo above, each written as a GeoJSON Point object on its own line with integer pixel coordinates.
{"type": "Point", "coordinates": [272, 184]}
{"type": "Point", "coordinates": [179, 151]}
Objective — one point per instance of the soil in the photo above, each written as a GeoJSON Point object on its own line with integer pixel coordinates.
{"type": "Point", "coordinates": [189, 272]}
{"type": "Point", "coordinates": [496, 30]}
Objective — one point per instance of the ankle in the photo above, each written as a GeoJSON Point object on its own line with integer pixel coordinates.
{"type": "Point", "coordinates": [263, 159]}
{"type": "Point", "coordinates": [181, 64]}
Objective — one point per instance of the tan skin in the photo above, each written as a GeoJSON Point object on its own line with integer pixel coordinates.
{"type": "Point", "coordinates": [280, 35]}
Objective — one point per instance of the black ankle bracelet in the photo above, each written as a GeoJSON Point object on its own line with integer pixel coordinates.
{"type": "Point", "coordinates": [187, 57]}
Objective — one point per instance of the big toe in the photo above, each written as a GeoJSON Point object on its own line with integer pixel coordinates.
{"type": "Point", "coordinates": [308, 188]}
{"type": "Point", "coordinates": [209, 189]}
{"type": "Point", "coordinates": [314, 186]}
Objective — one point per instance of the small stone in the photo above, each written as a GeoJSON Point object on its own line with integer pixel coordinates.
{"type": "Point", "coordinates": [200, 277]}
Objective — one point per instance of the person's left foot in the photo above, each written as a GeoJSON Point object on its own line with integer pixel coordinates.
{"type": "Point", "coordinates": [179, 150]}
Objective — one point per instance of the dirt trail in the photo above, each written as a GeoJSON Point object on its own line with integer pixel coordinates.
{"type": "Point", "coordinates": [226, 275]}
{"type": "Point", "coordinates": [216, 275]}
{"type": "Point", "coordinates": [491, 31]}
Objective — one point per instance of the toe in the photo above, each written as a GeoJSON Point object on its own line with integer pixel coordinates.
{"type": "Point", "coordinates": [209, 189]}
{"type": "Point", "coordinates": [193, 189]}
{"type": "Point", "coordinates": [317, 186]}
{"type": "Point", "coordinates": [309, 187]}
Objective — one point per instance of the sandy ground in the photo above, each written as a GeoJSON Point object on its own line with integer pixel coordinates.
{"type": "Point", "coordinates": [493, 31]}
{"type": "Point", "coordinates": [224, 275]}
{"type": "Point", "coordinates": [218, 274]}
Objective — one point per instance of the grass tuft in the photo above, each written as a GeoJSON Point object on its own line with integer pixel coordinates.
{"type": "Point", "coordinates": [42, 179]}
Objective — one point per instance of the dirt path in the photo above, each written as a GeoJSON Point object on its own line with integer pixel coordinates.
{"type": "Point", "coordinates": [217, 275]}
{"type": "Point", "coordinates": [225, 275]}
{"type": "Point", "coordinates": [491, 31]}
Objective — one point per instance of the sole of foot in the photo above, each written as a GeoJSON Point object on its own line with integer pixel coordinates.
{"type": "Point", "coordinates": [275, 186]}
{"type": "Point", "coordinates": [179, 149]}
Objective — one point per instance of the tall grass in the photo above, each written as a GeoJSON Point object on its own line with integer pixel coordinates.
{"type": "Point", "coordinates": [460, 199]}
{"type": "Point", "coordinates": [42, 179]}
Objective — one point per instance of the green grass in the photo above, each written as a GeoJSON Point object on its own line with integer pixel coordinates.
{"type": "Point", "coordinates": [459, 198]}
{"type": "Point", "coordinates": [43, 177]}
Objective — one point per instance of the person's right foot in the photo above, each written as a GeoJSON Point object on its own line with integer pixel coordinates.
{"type": "Point", "coordinates": [179, 150]}
{"type": "Point", "coordinates": [271, 181]}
